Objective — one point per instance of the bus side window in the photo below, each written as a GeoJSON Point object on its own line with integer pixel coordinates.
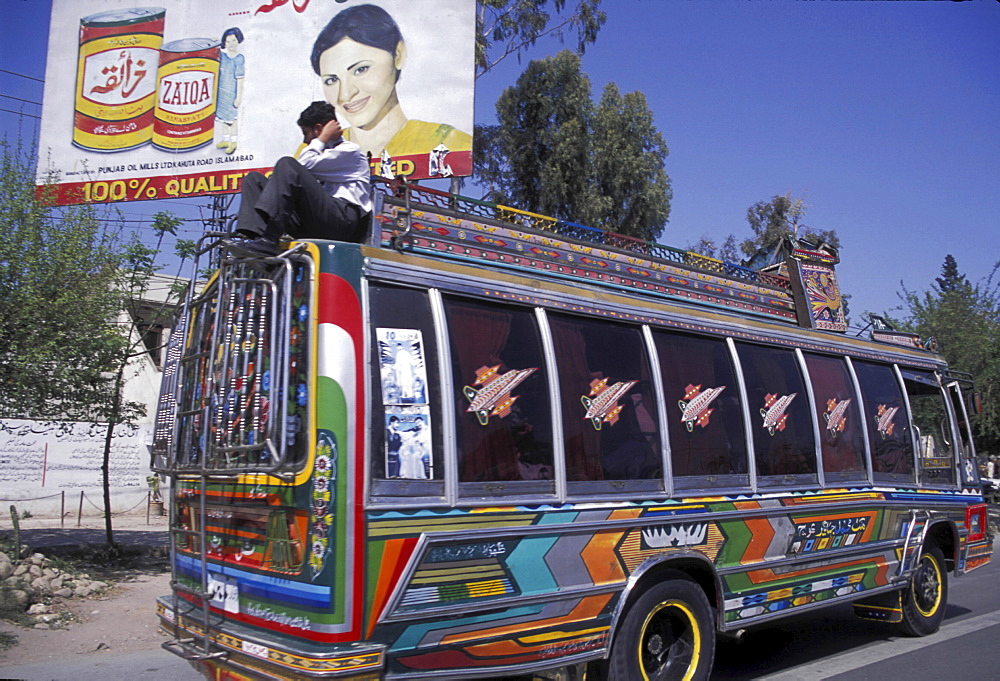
{"type": "Point", "coordinates": [929, 415]}
{"type": "Point", "coordinates": [704, 414]}
{"type": "Point", "coordinates": [780, 415]}
{"type": "Point", "coordinates": [888, 427]}
{"type": "Point", "coordinates": [838, 410]}
{"type": "Point", "coordinates": [502, 407]}
{"type": "Point", "coordinates": [406, 435]}
{"type": "Point", "coordinates": [608, 406]}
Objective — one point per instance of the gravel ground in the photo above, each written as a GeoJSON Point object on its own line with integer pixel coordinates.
{"type": "Point", "coordinates": [121, 619]}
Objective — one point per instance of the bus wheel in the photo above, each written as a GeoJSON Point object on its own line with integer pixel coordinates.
{"type": "Point", "coordinates": [667, 635]}
{"type": "Point", "coordinates": [924, 600]}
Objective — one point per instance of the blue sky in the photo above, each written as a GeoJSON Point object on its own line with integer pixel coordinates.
{"type": "Point", "coordinates": [883, 116]}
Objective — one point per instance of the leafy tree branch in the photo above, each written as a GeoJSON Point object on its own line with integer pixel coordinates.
{"type": "Point", "coordinates": [507, 27]}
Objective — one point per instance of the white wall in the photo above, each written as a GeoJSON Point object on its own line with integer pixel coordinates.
{"type": "Point", "coordinates": [44, 462]}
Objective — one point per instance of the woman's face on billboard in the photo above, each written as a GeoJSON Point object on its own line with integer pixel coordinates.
{"type": "Point", "coordinates": [360, 80]}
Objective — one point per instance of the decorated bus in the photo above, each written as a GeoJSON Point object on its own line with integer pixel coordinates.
{"type": "Point", "coordinates": [487, 443]}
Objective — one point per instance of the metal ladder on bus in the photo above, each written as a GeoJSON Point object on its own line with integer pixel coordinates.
{"type": "Point", "coordinates": [914, 544]}
{"type": "Point", "coordinates": [197, 607]}
{"type": "Point", "coordinates": [195, 613]}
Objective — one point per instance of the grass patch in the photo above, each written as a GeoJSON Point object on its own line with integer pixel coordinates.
{"type": "Point", "coordinates": [105, 557]}
{"type": "Point", "coordinates": [7, 640]}
{"type": "Point", "coordinates": [65, 564]}
{"type": "Point", "coordinates": [11, 610]}
{"type": "Point", "coordinates": [8, 546]}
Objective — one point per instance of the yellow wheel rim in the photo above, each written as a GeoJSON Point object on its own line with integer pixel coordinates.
{"type": "Point", "coordinates": [669, 636]}
{"type": "Point", "coordinates": [926, 587]}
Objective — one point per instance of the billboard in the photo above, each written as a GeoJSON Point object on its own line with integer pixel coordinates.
{"type": "Point", "coordinates": [186, 97]}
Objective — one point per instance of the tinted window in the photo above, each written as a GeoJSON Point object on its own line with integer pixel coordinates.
{"type": "Point", "coordinates": [503, 421]}
{"type": "Point", "coordinates": [704, 415]}
{"type": "Point", "coordinates": [780, 417]}
{"type": "Point", "coordinates": [838, 410]}
{"type": "Point", "coordinates": [608, 408]}
{"type": "Point", "coordinates": [406, 398]}
{"type": "Point", "coordinates": [888, 426]}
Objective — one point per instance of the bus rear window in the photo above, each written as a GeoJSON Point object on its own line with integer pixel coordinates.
{"type": "Point", "coordinates": [406, 452]}
{"type": "Point", "coordinates": [242, 376]}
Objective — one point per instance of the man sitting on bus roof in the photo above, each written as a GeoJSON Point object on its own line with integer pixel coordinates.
{"type": "Point", "coordinates": [323, 194]}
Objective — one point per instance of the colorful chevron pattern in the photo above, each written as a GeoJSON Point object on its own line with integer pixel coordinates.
{"type": "Point", "coordinates": [453, 588]}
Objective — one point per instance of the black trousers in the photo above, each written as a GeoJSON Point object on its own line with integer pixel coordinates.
{"type": "Point", "coordinates": [292, 201]}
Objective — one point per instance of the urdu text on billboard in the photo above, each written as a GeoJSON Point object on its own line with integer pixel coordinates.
{"type": "Point", "coordinates": [185, 97]}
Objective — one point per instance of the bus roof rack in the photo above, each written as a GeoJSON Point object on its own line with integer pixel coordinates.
{"type": "Point", "coordinates": [798, 285]}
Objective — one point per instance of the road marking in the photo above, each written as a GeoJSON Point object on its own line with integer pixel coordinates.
{"type": "Point", "coordinates": [856, 659]}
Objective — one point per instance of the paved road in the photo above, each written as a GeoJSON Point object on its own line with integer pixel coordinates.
{"type": "Point", "coordinates": [153, 665]}
{"type": "Point", "coordinates": [43, 538]}
{"type": "Point", "coordinates": [133, 530]}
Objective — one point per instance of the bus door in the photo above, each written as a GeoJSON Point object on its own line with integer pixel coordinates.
{"type": "Point", "coordinates": [967, 451]}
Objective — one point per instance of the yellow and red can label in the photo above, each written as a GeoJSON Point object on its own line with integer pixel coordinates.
{"type": "Point", "coordinates": [184, 117]}
{"type": "Point", "coordinates": [116, 78]}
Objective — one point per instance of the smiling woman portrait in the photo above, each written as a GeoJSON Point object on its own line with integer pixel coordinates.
{"type": "Point", "coordinates": [359, 57]}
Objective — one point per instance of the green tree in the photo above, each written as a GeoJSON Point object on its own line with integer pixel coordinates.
{"type": "Point", "coordinates": [506, 27]}
{"type": "Point", "coordinates": [131, 280]}
{"type": "Point", "coordinates": [632, 187]}
{"type": "Point", "coordinates": [544, 121]}
{"type": "Point", "coordinates": [134, 275]}
{"type": "Point", "coordinates": [70, 282]}
{"type": "Point", "coordinates": [951, 280]}
{"type": "Point", "coordinates": [729, 251]}
{"type": "Point", "coordinates": [771, 221]}
{"type": "Point", "coordinates": [58, 272]}
{"type": "Point", "coordinates": [489, 166]}
{"type": "Point", "coordinates": [965, 320]}
{"type": "Point", "coordinates": [557, 153]}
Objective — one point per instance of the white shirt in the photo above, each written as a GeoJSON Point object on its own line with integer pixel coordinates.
{"type": "Point", "coordinates": [341, 168]}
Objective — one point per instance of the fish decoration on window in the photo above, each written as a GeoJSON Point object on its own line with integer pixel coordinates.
{"type": "Point", "coordinates": [884, 420]}
{"type": "Point", "coordinates": [694, 406]}
{"type": "Point", "coordinates": [774, 410]}
{"type": "Point", "coordinates": [494, 398]}
{"type": "Point", "coordinates": [836, 416]}
{"type": "Point", "coordinates": [602, 401]}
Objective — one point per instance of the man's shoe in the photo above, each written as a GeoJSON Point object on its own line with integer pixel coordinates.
{"type": "Point", "coordinates": [260, 247]}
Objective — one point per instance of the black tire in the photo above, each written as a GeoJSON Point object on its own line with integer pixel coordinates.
{"type": "Point", "coordinates": [667, 634]}
{"type": "Point", "coordinates": [926, 598]}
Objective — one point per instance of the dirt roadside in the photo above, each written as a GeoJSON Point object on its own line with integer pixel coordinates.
{"type": "Point", "coordinates": [121, 619]}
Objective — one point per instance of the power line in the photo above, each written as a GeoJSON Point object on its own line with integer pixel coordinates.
{"type": "Point", "coordinates": [28, 101]}
{"type": "Point", "coordinates": [15, 73]}
{"type": "Point", "coordinates": [20, 113]}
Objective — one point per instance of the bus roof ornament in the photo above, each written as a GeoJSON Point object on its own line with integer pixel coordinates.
{"type": "Point", "coordinates": [809, 264]}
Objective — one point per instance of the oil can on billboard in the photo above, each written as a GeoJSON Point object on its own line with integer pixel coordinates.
{"type": "Point", "coordinates": [186, 97]}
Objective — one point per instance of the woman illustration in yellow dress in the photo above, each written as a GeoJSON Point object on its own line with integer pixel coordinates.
{"type": "Point", "coordinates": [359, 56]}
